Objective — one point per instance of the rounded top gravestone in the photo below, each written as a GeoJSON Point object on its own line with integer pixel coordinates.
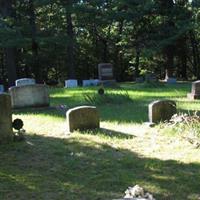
{"type": "Point", "coordinates": [82, 117]}
{"type": "Point", "coordinates": [161, 110]}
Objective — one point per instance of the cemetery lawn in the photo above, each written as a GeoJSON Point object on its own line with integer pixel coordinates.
{"type": "Point", "coordinates": [102, 164]}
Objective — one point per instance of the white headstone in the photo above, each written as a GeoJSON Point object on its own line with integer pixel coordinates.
{"type": "Point", "coordinates": [25, 81]}
{"type": "Point", "coordinates": [1, 88]}
{"type": "Point", "coordinates": [72, 83]}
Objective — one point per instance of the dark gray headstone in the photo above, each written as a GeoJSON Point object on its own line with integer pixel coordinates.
{"type": "Point", "coordinates": [161, 110]}
{"type": "Point", "coordinates": [195, 93]}
{"type": "Point", "coordinates": [82, 118]}
{"type": "Point", "coordinates": [105, 71]}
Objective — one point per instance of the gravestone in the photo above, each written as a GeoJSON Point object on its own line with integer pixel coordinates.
{"type": "Point", "coordinates": [161, 110]}
{"type": "Point", "coordinates": [1, 88]}
{"type": "Point", "coordinates": [106, 72]}
{"type": "Point", "coordinates": [6, 132]}
{"type": "Point", "coordinates": [90, 82]}
{"type": "Point", "coordinates": [171, 80]}
{"type": "Point", "coordinates": [72, 83]}
{"type": "Point", "coordinates": [82, 118]}
{"type": "Point", "coordinates": [195, 93]}
{"type": "Point", "coordinates": [29, 96]}
{"type": "Point", "coordinates": [25, 81]}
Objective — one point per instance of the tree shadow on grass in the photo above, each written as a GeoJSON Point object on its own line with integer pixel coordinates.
{"type": "Point", "coordinates": [78, 168]}
{"type": "Point", "coordinates": [109, 133]}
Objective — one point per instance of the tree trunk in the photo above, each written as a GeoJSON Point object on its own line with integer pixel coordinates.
{"type": "Point", "coordinates": [36, 66]}
{"type": "Point", "coordinates": [70, 43]}
{"type": "Point", "coordinates": [6, 10]}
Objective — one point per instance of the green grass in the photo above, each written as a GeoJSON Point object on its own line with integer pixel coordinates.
{"type": "Point", "coordinates": [101, 164]}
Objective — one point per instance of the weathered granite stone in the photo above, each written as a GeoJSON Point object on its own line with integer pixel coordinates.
{"type": "Point", "coordinates": [161, 110]}
{"type": "Point", "coordinates": [29, 96]}
{"type": "Point", "coordinates": [195, 93]}
{"type": "Point", "coordinates": [25, 81]}
{"type": "Point", "coordinates": [6, 132]}
{"type": "Point", "coordinates": [81, 118]}
{"type": "Point", "coordinates": [72, 83]}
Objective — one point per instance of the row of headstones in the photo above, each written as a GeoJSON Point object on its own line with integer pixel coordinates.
{"type": "Point", "coordinates": [83, 117]}
{"type": "Point", "coordinates": [105, 74]}
{"type": "Point", "coordinates": [87, 117]}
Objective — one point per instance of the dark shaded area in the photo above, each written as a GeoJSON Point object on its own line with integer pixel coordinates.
{"type": "Point", "coordinates": [53, 168]}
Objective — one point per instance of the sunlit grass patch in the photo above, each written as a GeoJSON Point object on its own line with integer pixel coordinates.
{"type": "Point", "coordinates": [101, 164]}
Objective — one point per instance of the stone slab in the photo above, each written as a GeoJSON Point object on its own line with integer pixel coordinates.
{"type": "Point", "coordinates": [82, 118]}
{"type": "Point", "coordinates": [29, 96]}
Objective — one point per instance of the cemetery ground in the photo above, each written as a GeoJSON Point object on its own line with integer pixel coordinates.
{"type": "Point", "coordinates": [102, 164]}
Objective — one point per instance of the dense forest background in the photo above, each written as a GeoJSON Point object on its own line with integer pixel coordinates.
{"type": "Point", "coordinates": [55, 40]}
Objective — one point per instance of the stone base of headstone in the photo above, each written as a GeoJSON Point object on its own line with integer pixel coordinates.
{"type": "Point", "coordinates": [82, 118]}
{"type": "Point", "coordinates": [6, 132]}
{"type": "Point", "coordinates": [72, 83]}
{"type": "Point", "coordinates": [191, 96]}
{"type": "Point", "coordinates": [25, 81]}
{"type": "Point", "coordinates": [171, 80]}
{"type": "Point", "coordinates": [29, 96]}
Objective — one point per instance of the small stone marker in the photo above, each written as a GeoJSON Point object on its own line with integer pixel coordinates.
{"type": "Point", "coordinates": [72, 83]}
{"type": "Point", "coordinates": [161, 110]}
{"type": "Point", "coordinates": [25, 81]}
{"type": "Point", "coordinates": [105, 71]}
{"type": "Point", "coordinates": [82, 118]}
{"type": "Point", "coordinates": [29, 96]}
{"type": "Point", "coordinates": [1, 88]}
{"type": "Point", "coordinates": [6, 133]}
{"type": "Point", "coordinates": [195, 93]}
